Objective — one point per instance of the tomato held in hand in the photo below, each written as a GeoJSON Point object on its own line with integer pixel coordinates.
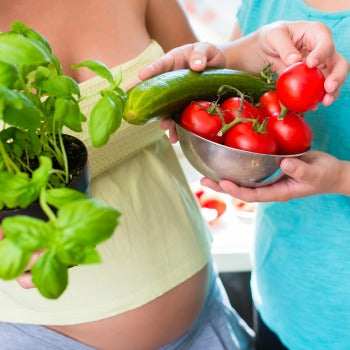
{"type": "Point", "coordinates": [292, 133]}
{"type": "Point", "coordinates": [244, 137]}
{"type": "Point", "coordinates": [201, 119]}
{"type": "Point", "coordinates": [300, 88]}
{"type": "Point", "coordinates": [230, 108]}
{"type": "Point", "coordinates": [269, 103]}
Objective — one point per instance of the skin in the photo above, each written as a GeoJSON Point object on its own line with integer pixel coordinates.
{"type": "Point", "coordinates": [115, 31]}
{"type": "Point", "coordinates": [282, 44]}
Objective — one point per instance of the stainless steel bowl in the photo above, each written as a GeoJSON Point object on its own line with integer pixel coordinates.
{"type": "Point", "coordinates": [220, 162]}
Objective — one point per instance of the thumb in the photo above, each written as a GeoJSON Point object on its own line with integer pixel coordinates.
{"type": "Point", "coordinates": [297, 169]}
{"type": "Point", "coordinates": [206, 55]}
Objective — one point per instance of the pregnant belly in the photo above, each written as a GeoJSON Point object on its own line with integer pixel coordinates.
{"type": "Point", "coordinates": [150, 326]}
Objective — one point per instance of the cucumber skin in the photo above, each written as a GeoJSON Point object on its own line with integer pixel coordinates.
{"type": "Point", "coordinates": [168, 93]}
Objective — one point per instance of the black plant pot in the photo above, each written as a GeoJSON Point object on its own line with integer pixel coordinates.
{"type": "Point", "coordinates": [78, 164]}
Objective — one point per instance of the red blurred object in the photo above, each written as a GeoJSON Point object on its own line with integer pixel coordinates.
{"type": "Point", "coordinates": [211, 201]}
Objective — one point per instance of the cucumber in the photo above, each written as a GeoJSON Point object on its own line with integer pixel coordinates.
{"type": "Point", "coordinates": [168, 93]}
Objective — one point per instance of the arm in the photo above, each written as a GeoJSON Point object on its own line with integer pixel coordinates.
{"type": "Point", "coordinates": [279, 43]}
{"type": "Point", "coordinates": [315, 173]}
{"type": "Point", "coordinates": [167, 23]}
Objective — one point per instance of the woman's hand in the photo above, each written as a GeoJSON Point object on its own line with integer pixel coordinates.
{"type": "Point", "coordinates": [315, 173]}
{"type": "Point", "coordinates": [285, 43]}
{"type": "Point", "coordinates": [280, 44]}
{"type": "Point", "coordinates": [196, 56]}
{"type": "Point", "coordinates": [25, 281]}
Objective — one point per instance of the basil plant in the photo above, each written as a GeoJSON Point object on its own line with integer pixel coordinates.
{"type": "Point", "coordinates": [37, 101]}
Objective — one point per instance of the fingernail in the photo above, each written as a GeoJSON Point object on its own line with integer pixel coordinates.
{"type": "Point", "coordinates": [288, 166]}
{"type": "Point", "coordinates": [292, 58]}
{"type": "Point", "coordinates": [198, 62]}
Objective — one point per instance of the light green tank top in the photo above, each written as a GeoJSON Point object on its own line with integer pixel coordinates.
{"type": "Point", "coordinates": [161, 241]}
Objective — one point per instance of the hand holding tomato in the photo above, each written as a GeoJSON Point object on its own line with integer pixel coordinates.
{"type": "Point", "coordinates": [300, 88]}
{"type": "Point", "coordinates": [315, 173]}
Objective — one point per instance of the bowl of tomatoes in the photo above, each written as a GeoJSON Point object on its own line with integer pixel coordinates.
{"type": "Point", "coordinates": [244, 141]}
{"type": "Point", "coordinates": [219, 162]}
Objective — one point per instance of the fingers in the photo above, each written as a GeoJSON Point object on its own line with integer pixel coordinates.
{"type": "Point", "coordinates": [318, 37]}
{"type": "Point", "coordinates": [1, 234]}
{"type": "Point", "coordinates": [169, 124]}
{"type": "Point", "coordinates": [25, 281]}
{"type": "Point", "coordinates": [297, 169]}
{"type": "Point", "coordinates": [339, 69]}
{"type": "Point", "coordinates": [196, 56]}
{"type": "Point", "coordinates": [163, 64]}
{"type": "Point", "coordinates": [277, 40]}
{"type": "Point", "coordinates": [206, 55]}
{"type": "Point", "coordinates": [211, 184]}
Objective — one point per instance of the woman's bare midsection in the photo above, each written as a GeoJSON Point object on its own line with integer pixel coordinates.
{"type": "Point", "coordinates": [150, 326]}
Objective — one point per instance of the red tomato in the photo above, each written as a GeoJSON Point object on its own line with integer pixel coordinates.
{"type": "Point", "coordinates": [197, 118]}
{"type": "Point", "coordinates": [292, 133]}
{"type": "Point", "coordinates": [231, 106]}
{"type": "Point", "coordinates": [300, 88]}
{"type": "Point", "coordinates": [244, 137]}
{"type": "Point", "coordinates": [269, 103]}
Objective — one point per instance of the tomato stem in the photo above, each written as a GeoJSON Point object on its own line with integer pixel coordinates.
{"type": "Point", "coordinates": [226, 126]}
{"type": "Point", "coordinates": [283, 113]}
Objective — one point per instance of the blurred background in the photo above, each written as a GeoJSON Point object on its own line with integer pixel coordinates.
{"type": "Point", "coordinates": [213, 21]}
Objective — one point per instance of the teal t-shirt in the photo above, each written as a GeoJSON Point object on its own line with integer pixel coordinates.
{"type": "Point", "coordinates": [301, 277]}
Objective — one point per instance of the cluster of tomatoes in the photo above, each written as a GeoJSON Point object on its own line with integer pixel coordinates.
{"type": "Point", "coordinates": [274, 125]}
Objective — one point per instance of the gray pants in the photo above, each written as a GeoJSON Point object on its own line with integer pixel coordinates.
{"type": "Point", "coordinates": [14, 336]}
{"type": "Point", "coordinates": [218, 327]}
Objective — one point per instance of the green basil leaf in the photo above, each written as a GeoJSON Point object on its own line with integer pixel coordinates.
{"type": "Point", "coordinates": [18, 50]}
{"type": "Point", "coordinates": [76, 254]}
{"type": "Point", "coordinates": [17, 190]}
{"type": "Point", "coordinates": [40, 176]}
{"type": "Point", "coordinates": [67, 111]}
{"type": "Point", "coordinates": [50, 276]}
{"type": "Point", "coordinates": [117, 79]}
{"type": "Point", "coordinates": [60, 85]}
{"type": "Point", "coordinates": [87, 222]}
{"type": "Point", "coordinates": [97, 67]}
{"type": "Point", "coordinates": [19, 110]}
{"type": "Point", "coordinates": [56, 64]}
{"type": "Point", "coordinates": [61, 196]}
{"type": "Point", "coordinates": [28, 233]}
{"type": "Point", "coordinates": [20, 28]}
{"type": "Point", "coordinates": [91, 257]}
{"type": "Point", "coordinates": [13, 259]}
{"type": "Point", "coordinates": [8, 74]}
{"type": "Point", "coordinates": [105, 119]}
{"type": "Point", "coordinates": [2, 163]}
